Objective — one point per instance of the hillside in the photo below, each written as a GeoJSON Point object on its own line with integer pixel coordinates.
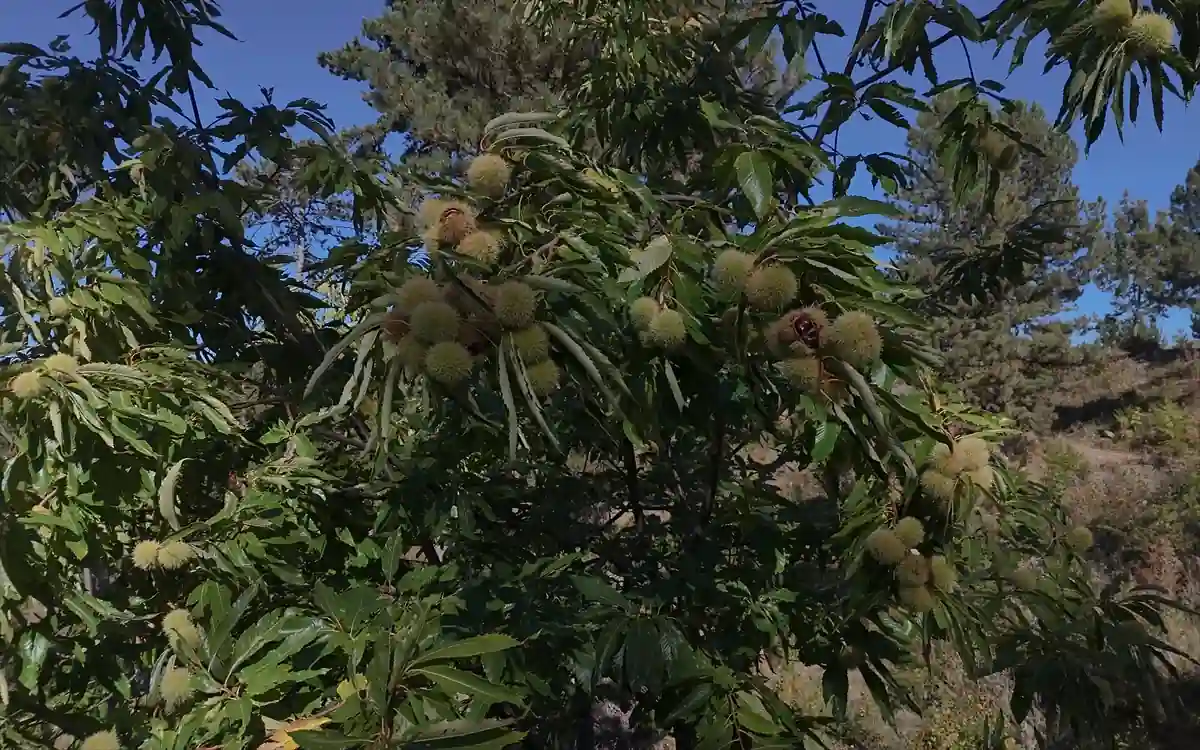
{"type": "Point", "coordinates": [1125, 453]}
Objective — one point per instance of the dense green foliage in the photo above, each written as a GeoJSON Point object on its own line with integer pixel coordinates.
{"type": "Point", "coordinates": [437, 74]}
{"type": "Point", "coordinates": [1182, 268]}
{"type": "Point", "coordinates": [1150, 264]}
{"type": "Point", "coordinates": [508, 500]}
{"type": "Point", "coordinates": [1006, 349]}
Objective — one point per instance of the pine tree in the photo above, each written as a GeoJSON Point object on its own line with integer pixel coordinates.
{"type": "Point", "coordinates": [1127, 263]}
{"type": "Point", "coordinates": [1003, 351]}
{"type": "Point", "coordinates": [1150, 264]}
{"type": "Point", "coordinates": [437, 72]}
{"type": "Point", "coordinates": [1182, 270]}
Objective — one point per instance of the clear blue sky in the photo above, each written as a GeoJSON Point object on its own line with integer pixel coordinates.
{"type": "Point", "coordinates": [279, 41]}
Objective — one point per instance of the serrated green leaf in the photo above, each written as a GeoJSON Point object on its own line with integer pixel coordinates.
{"type": "Point", "coordinates": [469, 647]}
{"type": "Point", "coordinates": [835, 686]}
{"type": "Point", "coordinates": [754, 176]}
{"type": "Point", "coordinates": [691, 704]}
{"type": "Point", "coordinates": [753, 716]}
{"type": "Point", "coordinates": [602, 592]}
{"type": "Point", "coordinates": [673, 383]}
{"type": "Point", "coordinates": [510, 404]}
{"type": "Point", "coordinates": [32, 650]}
{"type": "Point", "coordinates": [166, 494]}
{"type": "Point", "coordinates": [352, 608]}
{"type": "Point", "coordinates": [517, 118]}
{"type": "Point", "coordinates": [825, 440]}
{"type": "Point", "coordinates": [575, 350]}
{"type": "Point", "coordinates": [325, 739]}
{"type": "Point", "coordinates": [370, 323]}
{"type": "Point", "coordinates": [455, 681]}
{"type": "Point", "coordinates": [467, 735]}
{"type": "Point", "coordinates": [645, 663]}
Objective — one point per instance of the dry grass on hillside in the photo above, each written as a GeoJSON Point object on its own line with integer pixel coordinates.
{"type": "Point", "coordinates": [1092, 396]}
{"type": "Point", "coordinates": [1126, 453]}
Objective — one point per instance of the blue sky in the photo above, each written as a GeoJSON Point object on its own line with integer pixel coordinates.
{"type": "Point", "coordinates": [279, 41]}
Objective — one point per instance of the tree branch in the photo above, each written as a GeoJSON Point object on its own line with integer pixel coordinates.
{"type": "Point", "coordinates": [631, 482]}
{"type": "Point", "coordinates": [429, 549]}
{"type": "Point", "coordinates": [716, 457]}
{"type": "Point", "coordinates": [816, 50]}
{"type": "Point", "coordinates": [893, 67]}
{"type": "Point", "coordinates": [863, 21]}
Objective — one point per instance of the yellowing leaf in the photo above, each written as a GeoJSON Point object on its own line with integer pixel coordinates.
{"type": "Point", "coordinates": [283, 735]}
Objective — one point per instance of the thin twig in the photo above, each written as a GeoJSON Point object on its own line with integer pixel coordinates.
{"type": "Point", "coordinates": [339, 437]}
{"type": "Point", "coordinates": [863, 21]}
{"type": "Point", "coordinates": [631, 482]}
{"type": "Point", "coordinates": [716, 457]}
{"type": "Point", "coordinates": [816, 50]}
{"type": "Point", "coordinates": [890, 69]}
{"type": "Point", "coordinates": [967, 54]}
{"type": "Point", "coordinates": [429, 549]}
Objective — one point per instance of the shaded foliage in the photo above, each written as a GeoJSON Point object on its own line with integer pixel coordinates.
{"type": "Point", "coordinates": [373, 507]}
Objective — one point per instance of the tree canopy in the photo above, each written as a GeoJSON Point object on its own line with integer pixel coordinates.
{"type": "Point", "coordinates": [510, 499]}
{"type": "Point", "coordinates": [1007, 348]}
